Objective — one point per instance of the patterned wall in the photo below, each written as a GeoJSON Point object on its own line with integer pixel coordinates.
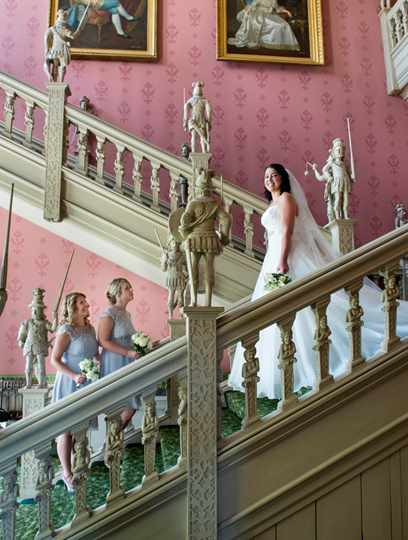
{"type": "Point", "coordinates": [262, 112]}
{"type": "Point", "coordinates": [38, 258]}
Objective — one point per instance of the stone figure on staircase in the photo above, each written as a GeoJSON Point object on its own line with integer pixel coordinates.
{"type": "Point", "coordinates": [197, 118]}
{"type": "Point", "coordinates": [401, 215]}
{"type": "Point", "coordinates": [173, 262]}
{"type": "Point", "coordinates": [338, 181]}
{"type": "Point", "coordinates": [205, 227]}
{"type": "Point", "coordinates": [33, 339]}
{"type": "Point", "coordinates": [57, 41]}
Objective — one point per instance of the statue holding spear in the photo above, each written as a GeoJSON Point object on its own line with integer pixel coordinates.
{"type": "Point", "coordinates": [33, 334]}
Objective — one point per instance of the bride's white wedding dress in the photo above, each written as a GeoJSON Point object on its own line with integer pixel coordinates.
{"type": "Point", "coordinates": [310, 251]}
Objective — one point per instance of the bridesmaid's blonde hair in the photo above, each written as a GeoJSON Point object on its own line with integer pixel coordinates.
{"type": "Point", "coordinates": [115, 289]}
{"type": "Point", "coordinates": [68, 308]}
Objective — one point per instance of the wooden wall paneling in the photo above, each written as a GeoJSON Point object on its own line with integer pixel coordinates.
{"type": "Point", "coordinates": [396, 496]}
{"type": "Point", "coordinates": [270, 534]}
{"type": "Point", "coordinates": [376, 498]}
{"type": "Point", "coordinates": [338, 514]}
{"type": "Point", "coordinates": [404, 492]}
{"type": "Point", "coordinates": [301, 525]}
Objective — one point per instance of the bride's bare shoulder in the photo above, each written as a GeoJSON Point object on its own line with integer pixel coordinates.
{"type": "Point", "coordinates": [288, 201]}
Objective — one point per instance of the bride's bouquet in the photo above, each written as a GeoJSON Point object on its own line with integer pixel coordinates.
{"type": "Point", "coordinates": [275, 280]}
{"type": "Point", "coordinates": [142, 343]}
{"type": "Point", "coordinates": [91, 368]}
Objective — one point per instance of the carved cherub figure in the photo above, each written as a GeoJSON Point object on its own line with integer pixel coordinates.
{"type": "Point", "coordinates": [197, 118]}
{"type": "Point", "coordinates": [33, 339]}
{"type": "Point", "coordinates": [338, 181]}
{"type": "Point", "coordinates": [173, 262]}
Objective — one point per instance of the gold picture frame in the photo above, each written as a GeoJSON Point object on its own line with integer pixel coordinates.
{"type": "Point", "coordinates": [265, 33]}
{"type": "Point", "coordinates": [101, 38]}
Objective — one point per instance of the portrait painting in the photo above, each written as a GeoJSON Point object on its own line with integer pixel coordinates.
{"type": "Point", "coordinates": [284, 31]}
{"type": "Point", "coordinates": [111, 29]}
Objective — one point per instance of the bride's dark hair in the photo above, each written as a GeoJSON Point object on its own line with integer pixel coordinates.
{"type": "Point", "coordinates": [283, 173]}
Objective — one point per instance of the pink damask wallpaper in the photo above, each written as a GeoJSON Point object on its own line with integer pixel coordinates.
{"type": "Point", "coordinates": [38, 259]}
{"type": "Point", "coordinates": [262, 112]}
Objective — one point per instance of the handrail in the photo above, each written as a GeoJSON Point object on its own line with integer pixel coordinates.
{"type": "Point", "coordinates": [24, 90]}
{"type": "Point", "coordinates": [102, 396]}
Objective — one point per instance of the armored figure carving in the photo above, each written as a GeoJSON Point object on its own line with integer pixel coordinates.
{"type": "Point", "coordinates": [57, 45]}
{"type": "Point", "coordinates": [173, 262]}
{"type": "Point", "coordinates": [33, 339]}
{"type": "Point", "coordinates": [338, 181]}
{"type": "Point", "coordinates": [401, 217]}
{"type": "Point", "coordinates": [199, 122]}
{"type": "Point", "coordinates": [203, 237]}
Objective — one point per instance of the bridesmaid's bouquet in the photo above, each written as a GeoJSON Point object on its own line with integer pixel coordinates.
{"type": "Point", "coordinates": [275, 280]}
{"type": "Point", "coordinates": [142, 343]}
{"type": "Point", "coordinates": [91, 368]}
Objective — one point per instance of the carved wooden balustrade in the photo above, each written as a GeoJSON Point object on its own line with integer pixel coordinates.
{"type": "Point", "coordinates": [115, 159]}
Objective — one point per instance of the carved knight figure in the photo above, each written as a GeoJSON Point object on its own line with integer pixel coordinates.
{"type": "Point", "coordinates": [57, 42]}
{"type": "Point", "coordinates": [197, 118]}
{"type": "Point", "coordinates": [338, 181]}
{"type": "Point", "coordinates": [401, 217]}
{"type": "Point", "coordinates": [33, 339]}
{"type": "Point", "coordinates": [205, 227]}
{"type": "Point", "coordinates": [173, 262]}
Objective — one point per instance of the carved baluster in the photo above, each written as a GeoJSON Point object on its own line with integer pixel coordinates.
{"type": "Point", "coordinates": [322, 341]}
{"type": "Point", "coordinates": [227, 206]}
{"type": "Point", "coordinates": [182, 420]}
{"type": "Point", "coordinates": [44, 489]}
{"type": "Point", "coordinates": [391, 303]}
{"type": "Point", "coordinates": [394, 33]}
{"type": "Point", "coordinates": [250, 370]}
{"type": "Point", "coordinates": [114, 452]}
{"type": "Point", "coordinates": [400, 25]}
{"type": "Point", "coordinates": [174, 180]}
{"type": "Point", "coordinates": [9, 112]}
{"type": "Point", "coordinates": [137, 176]}
{"type": "Point", "coordinates": [100, 158]}
{"type": "Point", "coordinates": [355, 322]}
{"type": "Point", "coordinates": [150, 433]}
{"type": "Point", "coordinates": [82, 149]}
{"type": "Point", "coordinates": [80, 471]}
{"type": "Point", "coordinates": [155, 185]}
{"type": "Point", "coordinates": [29, 122]}
{"type": "Point", "coordinates": [119, 168]}
{"type": "Point", "coordinates": [248, 231]}
{"type": "Point", "coordinates": [286, 361]}
{"type": "Point", "coordinates": [8, 501]}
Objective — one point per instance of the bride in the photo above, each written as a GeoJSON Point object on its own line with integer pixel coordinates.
{"type": "Point", "coordinates": [262, 26]}
{"type": "Point", "coordinates": [297, 246]}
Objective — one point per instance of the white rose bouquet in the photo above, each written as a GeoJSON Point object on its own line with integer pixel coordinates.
{"type": "Point", "coordinates": [90, 368]}
{"type": "Point", "coordinates": [275, 280]}
{"type": "Point", "coordinates": [142, 343]}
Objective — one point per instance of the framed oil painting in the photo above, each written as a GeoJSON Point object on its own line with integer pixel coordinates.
{"type": "Point", "coordinates": [284, 31]}
{"type": "Point", "coordinates": [111, 29]}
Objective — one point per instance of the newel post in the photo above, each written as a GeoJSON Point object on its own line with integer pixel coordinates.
{"type": "Point", "coordinates": [202, 425]}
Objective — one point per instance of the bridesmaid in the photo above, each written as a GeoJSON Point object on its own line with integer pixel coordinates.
{"type": "Point", "coordinates": [75, 341]}
{"type": "Point", "coordinates": [114, 335]}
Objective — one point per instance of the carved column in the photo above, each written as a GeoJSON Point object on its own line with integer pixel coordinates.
{"type": "Point", "coordinates": [29, 123]}
{"type": "Point", "coordinates": [137, 176]}
{"type": "Point", "coordinates": [9, 112]}
{"type": "Point", "coordinates": [34, 399]}
{"type": "Point", "coordinates": [354, 322]}
{"type": "Point", "coordinates": [202, 399]}
{"type": "Point", "coordinates": [55, 148]}
{"type": "Point", "coordinates": [44, 489]}
{"type": "Point", "coordinates": [199, 160]}
{"type": "Point", "coordinates": [342, 234]}
{"type": "Point", "coordinates": [390, 296]}
{"type": "Point", "coordinates": [82, 149]}
{"type": "Point", "coordinates": [80, 471]}
{"type": "Point", "coordinates": [155, 185]}
{"type": "Point", "coordinates": [227, 207]}
{"type": "Point", "coordinates": [119, 168]}
{"type": "Point", "coordinates": [182, 419]}
{"type": "Point", "coordinates": [150, 434]}
{"type": "Point", "coordinates": [100, 158]}
{"type": "Point", "coordinates": [114, 452]}
{"type": "Point", "coordinates": [286, 361]}
{"type": "Point", "coordinates": [322, 340]}
{"type": "Point", "coordinates": [250, 370]}
{"type": "Point", "coordinates": [8, 500]}
{"type": "Point", "coordinates": [248, 231]}
{"type": "Point", "coordinates": [174, 178]}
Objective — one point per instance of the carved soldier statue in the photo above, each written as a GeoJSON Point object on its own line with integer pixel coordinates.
{"type": "Point", "coordinates": [199, 122]}
{"type": "Point", "coordinates": [338, 181]}
{"type": "Point", "coordinates": [205, 227]}
{"type": "Point", "coordinates": [173, 262]}
{"type": "Point", "coordinates": [57, 42]}
{"type": "Point", "coordinates": [401, 217]}
{"type": "Point", "coordinates": [33, 339]}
